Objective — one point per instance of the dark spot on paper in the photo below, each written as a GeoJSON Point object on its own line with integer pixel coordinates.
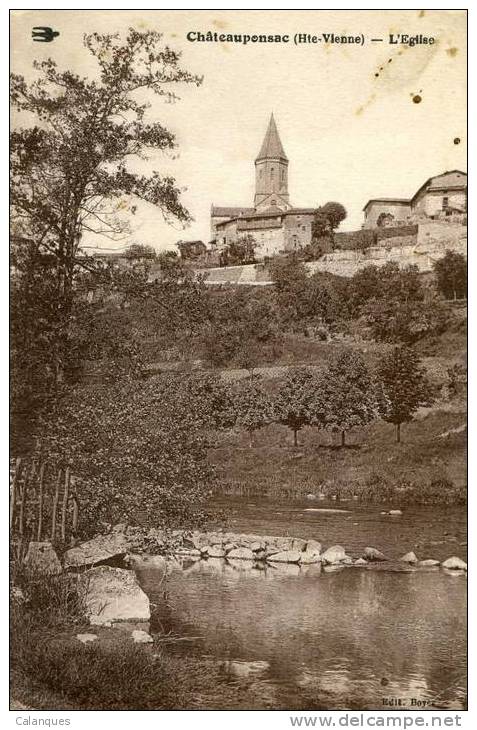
{"type": "Point", "coordinates": [417, 98]}
{"type": "Point", "coordinates": [456, 140]}
{"type": "Point", "coordinates": [376, 74]}
{"type": "Point", "coordinates": [390, 60]}
{"type": "Point", "coordinates": [384, 681]}
{"type": "Point", "coordinates": [452, 51]}
{"type": "Point", "coordinates": [421, 13]}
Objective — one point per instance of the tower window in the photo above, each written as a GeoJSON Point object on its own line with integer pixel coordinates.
{"type": "Point", "coordinates": [445, 203]}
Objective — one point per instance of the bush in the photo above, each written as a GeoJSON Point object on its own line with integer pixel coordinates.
{"type": "Point", "coordinates": [137, 450]}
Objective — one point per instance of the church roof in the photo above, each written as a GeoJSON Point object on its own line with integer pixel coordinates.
{"type": "Point", "coordinates": [221, 211]}
{"type": "Point", "coordinates": [271, 146]}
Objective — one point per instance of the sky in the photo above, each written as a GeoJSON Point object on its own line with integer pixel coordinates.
{"type": "Point", "coordinates": [347, 114]}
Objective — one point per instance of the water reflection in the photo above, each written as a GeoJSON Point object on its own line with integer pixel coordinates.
{"type": "Point", "coordinates": [342, 639]}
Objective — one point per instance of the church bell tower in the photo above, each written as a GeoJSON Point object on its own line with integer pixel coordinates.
{"type": "Point", "coordinates": [271, 172]}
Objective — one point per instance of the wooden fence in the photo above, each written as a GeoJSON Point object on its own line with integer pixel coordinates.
{"type": "Point", "coordinates": [44, 503]}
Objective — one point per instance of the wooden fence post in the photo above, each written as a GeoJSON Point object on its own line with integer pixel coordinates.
{"type": "Point", "coordinates": [24, 493]}
{"type": "Point", "coordinates": [13, 495]}
{"type": "Point", "coordinates": [55, 506]}
{"type": "Point", "coordinates": [65, 504]}
{"type": "Point", "coordinates": [75, 514]}
{"type": "Point", "coordinates": [40, 502]}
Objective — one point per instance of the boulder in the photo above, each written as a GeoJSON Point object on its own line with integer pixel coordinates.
{"type": "Point", "coordinates": [243, 670]}
{"type": "Point", "coordinates": [428, 563]}
{"type": "Point", "coordinates": [372, 555]}
{"type": "Point", "coordinates": [348, 560]}
{"type": "Point", "coordinates": [298, 544]}
{"type": "Point", "coordinates": [187, 552]}
{"type": "Point", "coordinates": [42, 558]}
{"type": "Point", "coordinates": [98, 550]}
{"type": "Point", "coordinates": [360, 562]}
{"type": "Point", "coordinates": [410, 558]}
{"type": "Point", "coordinates": [395, 512]}
{"type": "Point", "coordinates": [113, 594]}
{"type": "Point", "coordinates": [454, 563]}
{"type": "Point", "coordinates": [241, 553]}
{"type": "Point", "coordinates": [310, 556]}
{"type": "Point", "coordinates": [86, 638]}
{"type": "Point", "coordinates": [333, 555]}
{"type": "Point", "coordinates": [141, 637]}
{"type": "Point", "coordinates": [216, 551]}
{"type": "Point", "coordinates": [257, 545]}
{"type": "Point", "coordinates": [286, 556]}
{"type": "Point", "coordinates": [313, 546]}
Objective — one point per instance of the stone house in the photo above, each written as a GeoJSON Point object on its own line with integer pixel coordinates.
{"type": "Point", "coordinates": [442, 196]}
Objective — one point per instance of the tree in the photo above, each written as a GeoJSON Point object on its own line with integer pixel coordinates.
{"type": "Point", "coordinates": [240, 251]}
{"type": "Point", "coordinates": [241, 328]}
{"type": "Point", "coordinates": [347, 392]}
{"type": "Point", "coordinates": [297, 402]}
{"type": "Point", "coordinates": [139, 251]}
{"type": "Point", "coordinates": [253, 406]}
{"type": "Point", "coordinates": [451, 275]}
{"type": "Point", "coordinates": [326, 220]}
{"type": "Point", "coordinates": [403, 387]}
{"type": "Point", "coordinates": [70, 170]}
{"type": "Point", "coordinates": [290, 279]}
{"type": "Point", "coordinates": [392, 320]}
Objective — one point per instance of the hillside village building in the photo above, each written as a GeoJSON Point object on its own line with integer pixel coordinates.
{"type": "Point", "coordinates": [442, 196]}
{"type": "Point", "coordinates": [273, 222]}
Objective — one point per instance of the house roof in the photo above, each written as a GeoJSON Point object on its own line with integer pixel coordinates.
{"type": "Point", "coordinates": [220, 211]}
{"type": "Point", "coordinates": [272, 213]}
{"type": "Point", "coordinates": [271, 145]}
{"type": "Point", "coordinates": [395, 201]}
{"type": "Point", "coordinates": [449, 180]}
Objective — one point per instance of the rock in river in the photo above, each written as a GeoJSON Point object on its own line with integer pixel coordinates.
{"type": "Point", "coordinates": [428, 563]}
{"type": "Point", "coordinates": [410, 558]}
{"type": "Point", "coordinates": [241, 554]}
{"type": "Point", "coordinates": [310, 556]}
{"type": "Point", "coordinates": [113, 594]}
{"type": "Point", "coordinates": [373, 555]}
{"type": "Point", "coordinates": [286, 556]}
{"type": "Point", "coordinates": [333, 555]}
{"type": "Point", "coordinates": [454, 563]}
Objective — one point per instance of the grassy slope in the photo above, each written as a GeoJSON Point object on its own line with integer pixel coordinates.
{"type": "Point", "coordinates": [422, 456]}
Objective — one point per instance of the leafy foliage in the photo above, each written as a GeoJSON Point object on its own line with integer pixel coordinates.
{"type": "Point", "coordinates": [137, 449]}
{"type": "Point", "coordinates": [451, 275]}
{"type": "Point", "coordinates": [253, 405]}
{"type": "Point", "coordinates": [239, 251]}
{"type": "Point", "coordinates": [403, 387]}
{"type": "Point", "coordinates": [297, 402]}
{"type": "Point", "coordinates": [71, 174]}
{"type": "Point", "coordinates": [347, 392]}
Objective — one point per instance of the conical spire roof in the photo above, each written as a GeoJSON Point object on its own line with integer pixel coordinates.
{"type": "Point", "coordinates": [271, 146]}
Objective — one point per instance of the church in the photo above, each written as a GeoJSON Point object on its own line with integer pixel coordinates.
{"type": "Point", "coordinates": [273, 222]}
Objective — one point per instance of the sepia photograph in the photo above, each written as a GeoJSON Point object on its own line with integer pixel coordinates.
{"type": "Point", "coordinates": [238, 361]}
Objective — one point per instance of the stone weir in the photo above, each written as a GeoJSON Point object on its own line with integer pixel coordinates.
{"type": "Point", "coordinates": [129, 544]}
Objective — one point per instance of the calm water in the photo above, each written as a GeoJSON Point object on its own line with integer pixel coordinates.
{"type": "Point", "coordinates": [330, 640]}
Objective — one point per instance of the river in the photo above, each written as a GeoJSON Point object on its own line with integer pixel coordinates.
{"type": "Point", "coordinates": [343, 639]}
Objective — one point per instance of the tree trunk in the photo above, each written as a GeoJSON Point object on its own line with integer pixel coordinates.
{"type": "Point", "coordinates": [398, 433]}
{"type": "Point", "coordinates": [295, 437]}
{"type": "Point", "coordinates": [343, 438]}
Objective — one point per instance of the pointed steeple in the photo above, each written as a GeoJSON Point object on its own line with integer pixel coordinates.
{"type": "Point", "coordinates": [271, 147]}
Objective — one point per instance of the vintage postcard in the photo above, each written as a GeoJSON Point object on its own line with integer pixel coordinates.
{"type": "Point", "coordinates": [238, 332]}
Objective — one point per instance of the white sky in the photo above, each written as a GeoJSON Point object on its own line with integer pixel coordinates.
{"type": "Point", "coordinates": [348, 134]}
